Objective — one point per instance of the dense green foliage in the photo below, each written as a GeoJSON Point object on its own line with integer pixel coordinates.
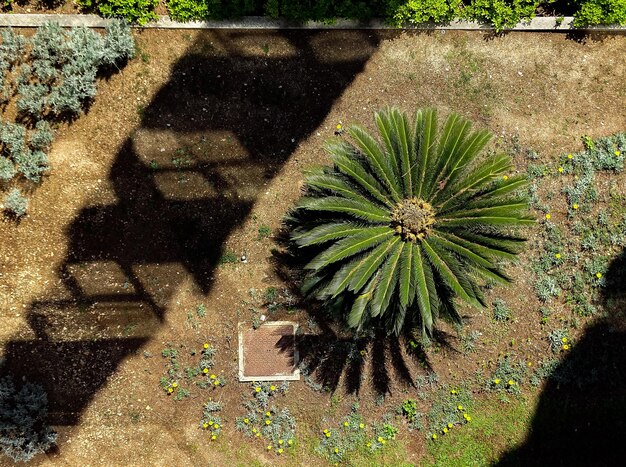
{"type": "Point", "coordinates": [591, 12]}
{"type": "Point", "coordinates": [400, 228]}
{"type": "Point", "coordinates": [50, 76]}
{"type": "Point", "coordinates": [134, 11]}
{"type": "Point", "coordinates": [23, 429]}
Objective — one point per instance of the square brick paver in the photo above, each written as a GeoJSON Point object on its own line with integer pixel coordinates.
{"type": "Point", "coordinates": [268, 353]}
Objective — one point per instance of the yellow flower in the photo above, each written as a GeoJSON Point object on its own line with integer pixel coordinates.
{"type": "Point", "coordinates": [290, 442]}
{"type": "Point", "coordinates": [361, 425]}
{"type": "Point", "coordinates": [258, 435]}
{"type": "Point", "coordinates": [511, 382]}
{"type": "Point", "coordinates": [565, 347]}
{"type": "Point", "coordinates": [380, 439]}
{"type": "Point", "coordinates": [272, 388]}
{"type": "Point", "coordinates": [570, 157]}
{"type": "Point", "coordinates": [280, 441]}
{"type": "Point", "coordinates": [383, 441]}
{"type": "Point", "coordinates": [253, 430]}
{"type": "Point", "coordinates": [362, 352]}
{"type": "Point", "coordinates": [280, 451]}
{"type": "Point", "coordinates": [560, 169]}
{"type": "Point", "coordinates": [345, 424]}
{"type": "Point", "coordinates": [575, 206]}
{"type": "Point", "coordinates": [558, 256]}
{"type": "Point", "coordinates": [453, 391]}
{"type": "Point", "coordinates": [548, 216]}
{"type": "Point", "coordinates": [369, 445]}
{"type": "Point", "coordinates": [174, 385]}
{"type": "Point", "coordinates": [564, 340]}
{"type": "Point", "coordinates": [336, 450]}
{"type": "Point", "coordinates": [617, 152]}
{"type": "Point", "coordinates": [214, 437]}
{"type": "Point", "coordinates": [506, 177]}
{"type": "Point", "coordinates": [269, 446]}
{"type": "Point", "coordinates": [206, 346]}
{"type": "Point", "coordinates": [530, 363]}
{"type": "Point", "coordinates": [210, 423]}
{"type": "Point", "coordinates": [246, 420]}
{"type": "Point", "coordinates": [450, 425]}
{"type": "Point", "coordinates": [267, 422]}
{"type": "Point", "coordinates": [434, 436]}
{"type": "Point", "coordinates": [268, 414]}
{"type": "Point", "coordinates": [325, 430]}
{"type": "Point", "coordinates": [216, 383]}
{"type": "Point", "coordinates": [170, 390]}
{"type": "Point", "coordinates": [445, 430]}
{"type": "Point", "coordinates": [327, 435]}
{"type": "Point", "coordinates": [468, 418]}
{"type": "Point", "coordinates": [460, 407]}
{"type": "Point", "coordinates": [212, 376]}
{"type": "Point", "coordinates": [496, 381]}
{"type": "Point", "coordinates": [205, 371]}
{"type": "Point", "coordinates": [338, 126]}
{"type": "Point", "coordinates": [216, 426]}
{"type": "Point", "coordinates": [257, 389]}
{"type": "Point", "coordinates": [205, 425]}
{"type": "Point", "coordinates": [599, 275]}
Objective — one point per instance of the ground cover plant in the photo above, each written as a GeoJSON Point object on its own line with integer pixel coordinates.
{"type": "Point", "coordinates": [404, 227]}
{"type": "Point", "coordinates": [46, 79]}
{"type": "Point", "coordinates": [149, 192]}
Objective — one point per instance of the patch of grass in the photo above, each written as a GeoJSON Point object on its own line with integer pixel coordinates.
{"type": "Point", "coordinates": [493, 429]}
{"type": "Point", "coordinates": [264, 232]}
{"type": "Point", "coordinates": [228, 257]}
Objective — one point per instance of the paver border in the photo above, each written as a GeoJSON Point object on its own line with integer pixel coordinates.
{"type": "Point", "coordinates": [540, 23]}
{"type": "Point", "coordinates": [295, 376]}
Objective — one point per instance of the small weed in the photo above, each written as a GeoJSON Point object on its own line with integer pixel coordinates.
{"type": "Point", "coordinates": [501, 312]}
{"type": "Point", "coordinates": [228, 257]}
{"type": "Point", "coordinates": [264, 232]}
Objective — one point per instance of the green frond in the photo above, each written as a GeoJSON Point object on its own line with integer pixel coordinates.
{"type": "Point", "coordinates": [405, 290]}
{"type": "Point", "coordinates": [388, 279]}
{"type": "Point", "coordinates": [327, 232]}
{"type": "Point", "coordinates": [485, 220]}
{"type": "Point", "coordinates": [452, 136]}
{"type": "Point", "coordinates": [476, 178]}
{"type": "Point", "coordinates": [425, 292]}
{"type": "Point", "coordinates": [463, 157]}
{"type": "Point", "coordinates": [376, 159]}
{"type": "Point", "coordinates": [350, 246]}
{"type": "Point", "coordinates": [445, 271]}
{"type": "Point", "coordinates": [372, 264]}
{"type": "Point", "coordinates": [460, 249]}
{"type": "Point", "coordinates": [353, 168]}
{"type": "Point", "coordinates": [389, 136]}
{"type": "Point", "coordinates": [488, 250]}
{"type": "Point", "coordinates": [356, 315]}
{"type": "Point", "coordinates": [426, 139]}
{"type": "Point", "coordinates": [405, 147]}
{"type": "Point", "coordinates": [335, 185]}
{"type": "Point", "coordinates": [363, 209]}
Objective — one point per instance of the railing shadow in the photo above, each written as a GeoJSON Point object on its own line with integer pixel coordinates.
{"type": "Point", "coordinates": [217, 131]}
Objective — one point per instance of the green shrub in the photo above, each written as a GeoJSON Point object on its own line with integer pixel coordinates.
{"type": "Point", "coordinates": [593, 12]}
{"type": "Point", "coordinates": [15, 203]}
{"type": "Point", "coordinates": [7, 169]}
{"type": "Point", "coordinates": [421, 11]}
{"type": "Point", "coordinates": [23, 428]}
{"type": "Point", "coordinates": [501, 13]}
{"type": "Point", "coordinates": [133, 11]}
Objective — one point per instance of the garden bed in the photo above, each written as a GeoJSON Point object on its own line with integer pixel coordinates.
{"type": "Point", "coordinates": [128, 261]}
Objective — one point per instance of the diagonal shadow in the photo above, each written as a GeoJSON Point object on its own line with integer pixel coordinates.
{"type": "Point", "coordinates": [213, 136]}
{"type": "Point", "coordinates": [580, 419]}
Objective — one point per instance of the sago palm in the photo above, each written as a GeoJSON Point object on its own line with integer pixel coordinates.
{"type": "Point", "coordinates": [404, 226]}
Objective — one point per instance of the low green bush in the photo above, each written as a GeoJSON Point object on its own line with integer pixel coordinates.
{"type": "Point", "coordinates": [134, 11]}
{"type": "Point", "coordinates": [15, 203]}
{"type": "Point", "coordinates": [592, 12]}
{"type": "Point", "coordinates": [421, 11]}
{"type": "Point", "coordinates": [23, 428]}
{"type": "Point", "coordinates": [500, 13]}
